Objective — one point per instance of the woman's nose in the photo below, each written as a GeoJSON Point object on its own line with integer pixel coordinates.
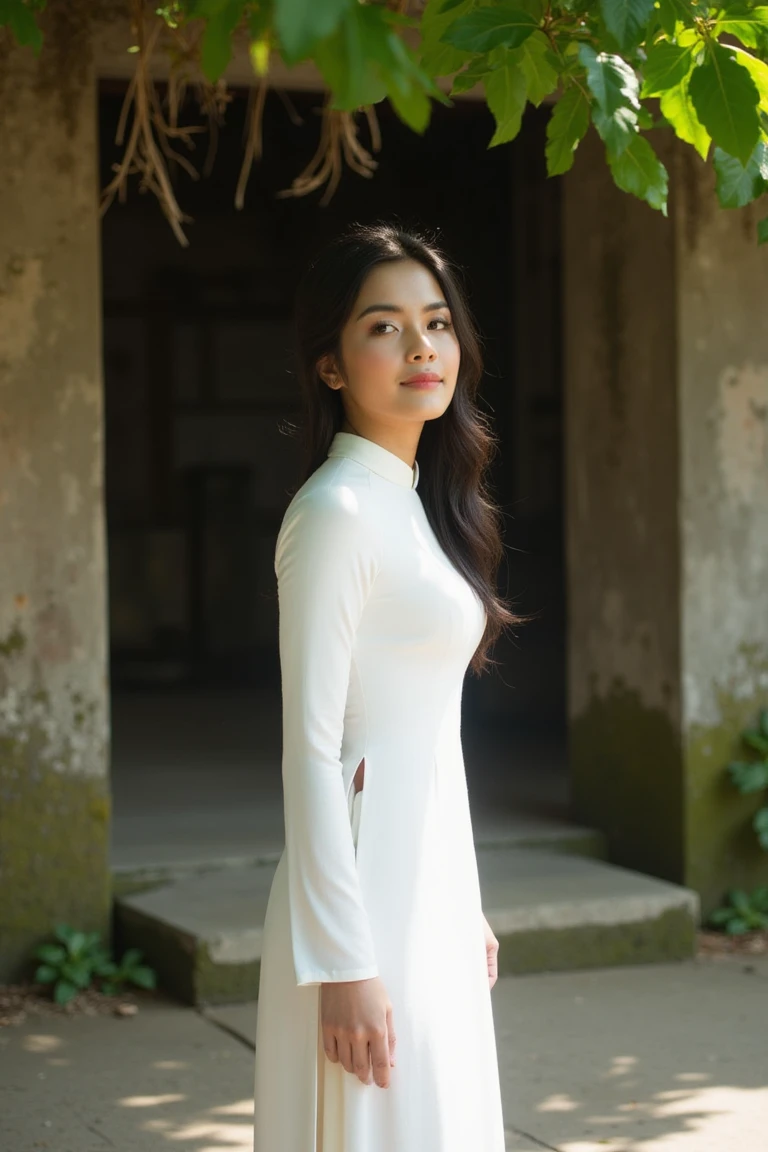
{"type": "Point", "coordinates": [422, 350]}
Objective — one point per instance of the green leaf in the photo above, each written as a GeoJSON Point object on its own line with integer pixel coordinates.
{"type": "Point", "coordinates": [413, 108]}
{"type": "Point", "coordinates": [216, 48]}
{"type": "Point", "coordinates": [506, 92]}
{"type": "Point", "coordinates": [78, 973]}
{"type": "Point", "coordinates": [672, 11]}
{"type": "Point", "coordinates": [626, 20]}
{"type": "Point", "coordinates": [760, 825]}
{"type": "Point", "coordinates": [617, 131]}
{"type": "Point", "coordinates": [535, 59]}
{"type": "Point", "coordinates": [473, 74]}
{"type": "Point", "coordinates": [758, 70]}
{"type": "Point", "coordinates": [737, 926]}
{"type": "Point", "coordinates": [752, 738]}
{"type": "Point", "coordinates": [665, 67]}
{"type": "Point", "coordinates": [143, 977]}
{"type": "Point", "coordinates": [64, 992]}
{"type": "Point", "coordinates": [77, 943]}
{"type": "Point", "coordinates": [739, 899]}
{"type": "Point", "coordinates": [639, 171]}
{"type": "Point", "coordinates": [721, 916]}
{"type": "Point", "coordinates": [130, 958]}
{"type": "Point", "coordinates": [612, 82]}
{"type": "Point", "coordinates": [749, 775]}
{"type": "Point", "coordinates": [737, 185]}
{"type": "Point", "coordinates": [750, 25]}
{"type": "Point", "coordinates": [365, 60]}
{"type": "Point", "coordinates": [567, 126]}
{"type": "Point", "coordinates": [493, 26]}
{"type": "Point", "coordinates": [760, 899]}
{"type": "Point", "coordinates": [725, 98]}
{"type": "Point", "coordinates": [763, 721]}
{"type": "Point", "coordinates": [46, 974]}
{"type": "Point", "coordinates": [53, 954]}
{"type": "Point", "coordinates": [301, 23]}
{"type": "Point", "coordinates": [676, 107]}
{"type": "Point", "coordinates": [435, 56]}
{"type": "Point", "coordinates": [21, 20]}
{"type": "Point", "coordinates": [349, 72]}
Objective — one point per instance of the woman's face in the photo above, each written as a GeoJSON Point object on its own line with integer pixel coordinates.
{"type": "Point", "coordinates": [399, 327]}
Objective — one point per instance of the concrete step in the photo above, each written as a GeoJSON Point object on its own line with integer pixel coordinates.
{"type": "Point", "coordinates": [549, 910]}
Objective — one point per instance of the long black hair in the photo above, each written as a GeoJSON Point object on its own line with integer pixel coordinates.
{"type": "Point", "coordinates": [455, 449]}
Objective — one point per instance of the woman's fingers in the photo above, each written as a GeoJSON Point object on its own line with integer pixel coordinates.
{"type": "Point", "coordinates": [346, 1056]}
{"type": "Point", "coordinates": [391, 1035]}
{"type": "Point", "coordinates": [330, 1046]}
{"type": "Point", "coordinates": [380, 1059]}
{"type": "Point", "coordinates": [361, 1059]}
{"type": "Point", "coordinates": [356, 1018]}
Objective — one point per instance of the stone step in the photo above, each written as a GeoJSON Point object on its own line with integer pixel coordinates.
{"type": "Point", "coordinates": [549, 910]}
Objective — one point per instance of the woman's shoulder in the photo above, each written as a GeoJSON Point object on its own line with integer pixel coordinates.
{"type": "Point", "coordinates": [336, 500]}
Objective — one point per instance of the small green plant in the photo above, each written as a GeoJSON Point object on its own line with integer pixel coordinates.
{"type": "Point", "coordinates": [743, 913]}
{"type": "Point", "coordinates": [75, 960]}
{"type": "Point", "coordinates": [752, 775]}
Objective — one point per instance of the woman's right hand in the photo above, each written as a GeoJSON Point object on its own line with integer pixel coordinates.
{"type": "Point", "coordinates": [356, 1019]}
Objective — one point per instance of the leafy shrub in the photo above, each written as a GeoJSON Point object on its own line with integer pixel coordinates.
{"type": "Point", "coordinates": [752, 775]}
{"type": "Point", "coordinates": [743, 913]}
{"type": "Point", "coordinates": [75, 960]}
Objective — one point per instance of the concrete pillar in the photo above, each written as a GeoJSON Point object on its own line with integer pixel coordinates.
{"type": "Point", "coordinates": [54, 787]}
{"type": "Point", "coordinates": [666, 378]}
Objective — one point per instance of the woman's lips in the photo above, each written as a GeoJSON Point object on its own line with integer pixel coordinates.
{"type": "Point", "coordinates": [423, 382]}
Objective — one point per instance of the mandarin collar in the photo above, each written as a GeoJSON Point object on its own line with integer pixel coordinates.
{"type": "Point", "coordinates": [373, 456]}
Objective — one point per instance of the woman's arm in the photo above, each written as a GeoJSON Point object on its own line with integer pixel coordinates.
{"type": "Point", "coordinates": [325, 562]}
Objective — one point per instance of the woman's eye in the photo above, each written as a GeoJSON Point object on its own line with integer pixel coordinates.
{"type": "Point", "coordinates": [377, 328]}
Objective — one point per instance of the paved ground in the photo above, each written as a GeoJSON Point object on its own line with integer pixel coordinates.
{"type": "Point", "coordinates": [662, 1058]}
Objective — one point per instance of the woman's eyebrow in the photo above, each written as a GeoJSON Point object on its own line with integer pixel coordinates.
{"type": "Point", "coordinates": [394, 308]}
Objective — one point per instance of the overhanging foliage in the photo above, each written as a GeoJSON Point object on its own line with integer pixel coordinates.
{"type": "Point", "coordinates": [629, 67]}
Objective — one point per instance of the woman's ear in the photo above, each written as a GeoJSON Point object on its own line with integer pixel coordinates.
{"type": "Point", "coordinates": [328, 373]}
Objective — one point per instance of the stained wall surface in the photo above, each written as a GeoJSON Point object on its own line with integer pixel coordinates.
{"type": "Point", "coordinates": [54, 793]}
{"type": "Point", "coordinates": [667, 492]}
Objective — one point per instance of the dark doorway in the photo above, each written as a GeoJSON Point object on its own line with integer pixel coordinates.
{"type": "Point", "coordinates": [200, 397]}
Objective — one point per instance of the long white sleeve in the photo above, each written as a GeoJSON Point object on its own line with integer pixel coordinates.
{"type": "Point", "coordinates": [325, 562]}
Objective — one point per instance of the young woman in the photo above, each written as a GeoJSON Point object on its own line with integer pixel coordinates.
{"type": "Point", "coordinates": [375, 1029]}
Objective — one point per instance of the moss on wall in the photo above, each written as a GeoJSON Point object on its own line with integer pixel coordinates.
{"type": "Point", "coordinates": [626, 780]}
{"type": "Point", "coordinates": [54, 815]}
{"type": "Point", "coordinates": [667, 806]}
{"type": "Point", "coordinates": [721, 846]}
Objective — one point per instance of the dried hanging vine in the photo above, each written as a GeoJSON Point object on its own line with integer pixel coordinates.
{"type": "Point", "coordinates": [149, 151]}
{"type": "Point", "coordinates": [338, 136]}
{"type": "Point", "coordinates": [148, 145]}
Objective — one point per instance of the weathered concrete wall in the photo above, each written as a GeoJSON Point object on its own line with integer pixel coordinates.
{"type": "Point", "coordinates": [54, 792]}
{"type": "Point", "coordinates": [723, 389]}
{"type": "Point", "coordinates": [667, 488]}
{"type": "Point", "coordinates": [622, 540]}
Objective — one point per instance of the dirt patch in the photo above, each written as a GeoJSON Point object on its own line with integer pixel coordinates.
{"type": "Point", "coordinates": [20, 1001]}
{"type": "Point", "coordinates": [719, 944]}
